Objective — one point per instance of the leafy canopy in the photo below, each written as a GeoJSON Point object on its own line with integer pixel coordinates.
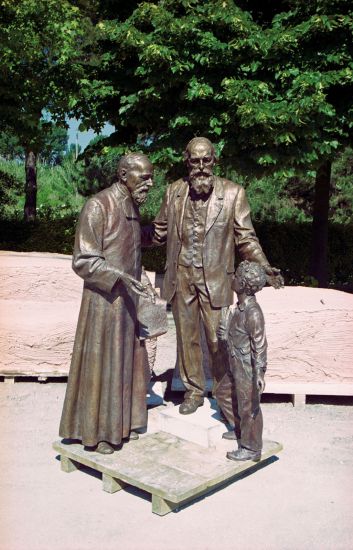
{"type": "Point", "coordinates": [272, 87]}
{"type": "Point", "coordinates": [43, 61]}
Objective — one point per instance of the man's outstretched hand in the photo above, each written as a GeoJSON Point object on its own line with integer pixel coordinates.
{"type": "Point", "coordinates": [274, 277]}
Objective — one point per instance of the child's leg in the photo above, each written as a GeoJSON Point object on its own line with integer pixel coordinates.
{"type": "Point", "coordinates": [225, 394]}
{"type": "Point", "coordinates": [251, 423]}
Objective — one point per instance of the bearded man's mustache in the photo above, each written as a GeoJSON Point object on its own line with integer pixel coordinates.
{"type": "Point", "coordinates": [197, 173]}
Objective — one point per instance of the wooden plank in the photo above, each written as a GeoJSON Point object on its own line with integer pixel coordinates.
{"type": "Point", "coordinates": [290, 388]}
{"type": "Point", "coordinates": [161, 506]}
{"type": "Point", "coordinates": [112, 484]}
{"type": "Point", "coordinates": [171, 469]}
{"type": "Point", "coordinates": [309, 388]}
{"type": "Point", "coordinates": [139, 470]}
{"type": "Point", "coordinates": [299, 400]}
{"type": "Point", "coordinates": [41, 376]}
{"type": "Point", "coordinates": [67, 465]}
{"type": "Point", "coordinates": [174, 452]}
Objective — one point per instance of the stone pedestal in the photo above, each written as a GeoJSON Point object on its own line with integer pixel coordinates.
{"type": "Point", "coordinates": [172, 470]}
{"type": "Point", "coordinates": [203, 427]}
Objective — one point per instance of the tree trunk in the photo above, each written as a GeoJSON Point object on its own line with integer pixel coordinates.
{"type": "Point", "coordinates": [30, 209]}
{"type": "Point", "coordinates": [319, 243]}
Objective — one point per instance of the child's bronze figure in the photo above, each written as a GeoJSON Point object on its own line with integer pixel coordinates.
{"type": "Point", "coordinates": [244, 331]}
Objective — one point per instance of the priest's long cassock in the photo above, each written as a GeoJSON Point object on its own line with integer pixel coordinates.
{"type": "Point", "coordinates": [106, 392]}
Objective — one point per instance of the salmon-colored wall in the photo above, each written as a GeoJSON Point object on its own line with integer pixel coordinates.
{"type": "Point", "coordinates": [309, 330]}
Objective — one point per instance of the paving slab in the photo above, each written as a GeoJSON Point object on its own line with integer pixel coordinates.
{"type": "Point", "coordinates": [173, 470]}
{"type": "Point", "coordinates": [302, 501]}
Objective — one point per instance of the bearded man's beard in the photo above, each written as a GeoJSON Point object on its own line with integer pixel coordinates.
{"type": "Point", "coordinates": [201, 185]}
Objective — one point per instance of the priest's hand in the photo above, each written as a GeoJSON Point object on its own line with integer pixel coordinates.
{"type": "Point", "coordinates": [137, 287]}
{"type": "Point", "coordinates": [274, 277]}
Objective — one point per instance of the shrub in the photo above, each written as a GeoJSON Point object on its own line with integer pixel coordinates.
{"type": "Point", "coordinates": [286, 245]}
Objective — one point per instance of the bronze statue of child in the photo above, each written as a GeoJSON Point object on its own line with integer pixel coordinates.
{"type": "Point", "coordinates": [243, 329]}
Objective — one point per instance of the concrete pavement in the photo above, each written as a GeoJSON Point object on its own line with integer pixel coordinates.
{"type": "Point", "coordinates": [302, 501]}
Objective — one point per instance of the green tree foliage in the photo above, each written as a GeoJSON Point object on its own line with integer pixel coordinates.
{"type": "Point", "coordinates": [271, 84]}
{"type": "Point", "coordinates": [100, 166]}
{"type": "Point", "coordinates": [10, 147]}
{"type": "Point", "coordinates": [281, 210]}
{"type": "Point", "coordinates": [101, 160]}
{"type": "Point", "coordinates": [43, 46]}
{"type": "Point", "coordinates": [267, 87]}
{"type": "Point", "coordinates": [341, 203]}
{"type": "Point", "coordinates": [53, 145]}
{"type": "Point", "coordinates": [58, 185]}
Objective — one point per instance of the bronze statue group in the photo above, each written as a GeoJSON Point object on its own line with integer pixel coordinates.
{"type": "Point", "coordinates": [204, 220]}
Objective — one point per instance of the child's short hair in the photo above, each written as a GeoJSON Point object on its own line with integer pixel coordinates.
{"type": "Point", "coordinates": [252, 275]}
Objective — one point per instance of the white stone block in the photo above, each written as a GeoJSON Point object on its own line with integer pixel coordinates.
{"type": "Point", "coordinates": [202, 427]}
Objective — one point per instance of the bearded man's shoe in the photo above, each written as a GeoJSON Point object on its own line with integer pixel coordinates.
{"type": "Point", "coordinates": [230, 435]}
{"type": "Point", "coordinates": [244, 454]}
{"type": "Point", "coordinates": [190, 405]}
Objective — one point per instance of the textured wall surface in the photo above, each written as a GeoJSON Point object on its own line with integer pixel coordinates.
{"type": "Point", "coordinates": [39, 304]}
{"type": "Point", "coordinates": [309, 330]}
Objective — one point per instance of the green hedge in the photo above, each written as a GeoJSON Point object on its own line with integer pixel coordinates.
{"type": "Point", "coordinates": [39, 236]}
{"type": "Point", "coordinates": [287, 246]}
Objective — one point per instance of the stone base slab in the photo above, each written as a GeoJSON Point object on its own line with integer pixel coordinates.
{"type": "Point", "coordinates": [172, 470]}
{"type": "Point", "coordinates": [203, 427]}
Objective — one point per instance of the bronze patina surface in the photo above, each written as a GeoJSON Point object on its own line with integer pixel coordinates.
{"type": "Point", "coordinates": [244, 331]}
{"type": "Point", "coordinates": [106, 391]}
{"type": "Point", "coordinates": [152, 317]}
{"type": "Point", "coordinates": [204, 219]}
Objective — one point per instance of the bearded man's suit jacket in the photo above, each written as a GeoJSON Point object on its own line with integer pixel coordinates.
{"type": "Point", "coordinates": [228, 227]}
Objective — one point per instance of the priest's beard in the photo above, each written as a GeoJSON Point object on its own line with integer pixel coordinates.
{"type": "Point", "coordinates": [139, 195]}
